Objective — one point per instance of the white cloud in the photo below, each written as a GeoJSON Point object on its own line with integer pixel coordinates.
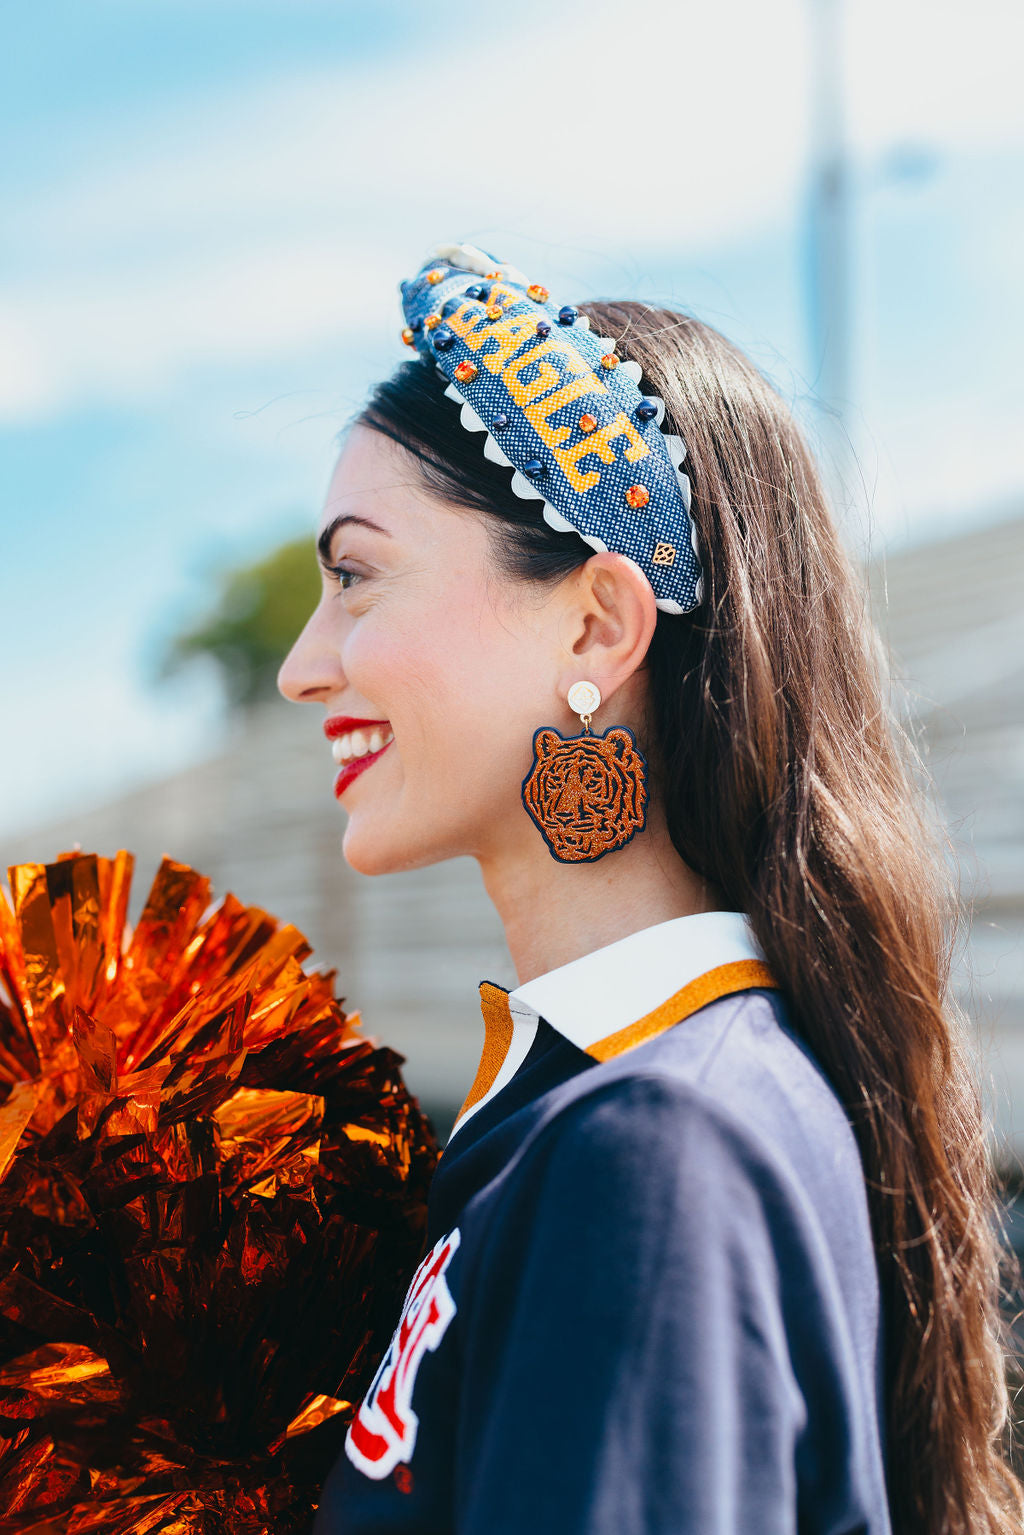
{"type": "Point", "coordinates": [582, 125]}
{"type": "Point", "coordinates": [101, 337]}
{"type": "Point", "coordinates": [253, 221]}
{"type": "Point", "coordinates": [259, 219]}
{"type": "Point", "coordinates": [934, 70]}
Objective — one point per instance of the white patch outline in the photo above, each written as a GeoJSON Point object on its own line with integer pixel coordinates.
{"type": "Point", "coordinates": [385, 1416]}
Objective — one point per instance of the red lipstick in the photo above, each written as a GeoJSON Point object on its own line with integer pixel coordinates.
{"type": "Point", "coordinates": [344, 724]}
{"type": "Point", "coordinates": [340, 724]}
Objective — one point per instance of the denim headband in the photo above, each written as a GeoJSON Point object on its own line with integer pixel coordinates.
{"type": "Point", "coordinates": [562, 410]}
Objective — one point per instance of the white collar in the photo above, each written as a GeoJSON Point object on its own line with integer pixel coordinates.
{"type": "Point", "coordinates": [603, 992]}
{"type": "Point", "coordinates": [607, 990]}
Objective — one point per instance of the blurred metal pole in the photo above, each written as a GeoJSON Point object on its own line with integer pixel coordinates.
{"type": "Point", "coordinates": [829, 240]}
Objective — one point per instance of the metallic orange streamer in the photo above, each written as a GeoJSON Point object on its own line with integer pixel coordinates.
{"type": "Point", "coordinates": [212, 1196]}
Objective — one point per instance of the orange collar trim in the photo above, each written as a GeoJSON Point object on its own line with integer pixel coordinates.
{"type": "Point", "coordinates": [509, 1031]}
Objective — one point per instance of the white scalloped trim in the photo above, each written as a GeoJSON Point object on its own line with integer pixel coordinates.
{"type": "Point", "coordinates": [554, 519]}
{"type": "Point", "coordinates": [470, 420]}
{"type": "Point", "coordinates": [698, 591]}
{"type": "Point", "coordinates": [494, 453]}
{"type": "Point", "coordinates": [525, 488]}
{"type": "Point", "coordinates": [669, 605]}
{"type": "Point", "coordinates": [470, 258]}
{"type": "Point", "coordinates": [687, 489]}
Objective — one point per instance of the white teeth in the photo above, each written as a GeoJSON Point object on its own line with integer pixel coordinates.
{"type": "Point", "coordinates": [347, 748]}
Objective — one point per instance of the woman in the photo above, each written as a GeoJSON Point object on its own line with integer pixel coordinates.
{"type": "Point", "coordinates": [710, 1246]}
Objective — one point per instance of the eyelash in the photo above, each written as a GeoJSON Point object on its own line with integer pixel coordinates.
{"type": "Point", "coordinates": [337, 571]}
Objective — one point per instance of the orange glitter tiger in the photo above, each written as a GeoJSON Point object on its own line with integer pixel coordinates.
{"type": "Point", "coordinates": [586, 793]}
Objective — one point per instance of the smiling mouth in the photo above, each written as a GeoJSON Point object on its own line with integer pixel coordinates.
{"type": "Point", "coordinates": [356, 744]}
{"type": "Point", "coordinates": [356, 750]}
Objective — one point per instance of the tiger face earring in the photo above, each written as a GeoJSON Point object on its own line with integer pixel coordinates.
{"type": "Point", "coordinates": [586, 793]}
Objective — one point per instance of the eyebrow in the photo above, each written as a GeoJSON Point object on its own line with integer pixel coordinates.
{"type": "Point", "coordinates": [326, 538]}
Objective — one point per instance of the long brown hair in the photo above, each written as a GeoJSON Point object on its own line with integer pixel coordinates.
{"type": "Point", "coordinates": [789, 786]}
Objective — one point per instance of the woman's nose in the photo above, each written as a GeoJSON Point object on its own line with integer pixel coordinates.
{"type": "Point", "coordinates": [312, 669]}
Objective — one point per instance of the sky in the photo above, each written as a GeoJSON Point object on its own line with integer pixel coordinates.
{"type": "Point", "coordinates": [208, 206]}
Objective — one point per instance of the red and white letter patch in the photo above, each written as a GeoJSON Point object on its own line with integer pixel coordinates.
{"type": "Point", "coordinates": [383, 1431]}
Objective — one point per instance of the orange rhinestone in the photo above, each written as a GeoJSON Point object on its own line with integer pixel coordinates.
{"type": "Point", "coordinates": [588, 422]}
{"type": "Point", "coordinates": [466, 372]}
{"type": "Point", "coordinates": [432, 321]}
{"type": "Point", "coordinates": [407, 336]}
{"type": "Point", "coordinates": [491, 275]}
{"type": "Point", "coordinates": [537, 293]}
{"type": "Point", "coordinates": [494, 311]}
{"type": "Point", "coordinates": [609, 360]}
{"type": "Point", "coordinates": [638, 496]}
{"type": "Point", "coordinates": [435, 276]}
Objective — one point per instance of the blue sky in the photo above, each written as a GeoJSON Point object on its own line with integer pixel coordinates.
{"type": "Point", "coordinates": [209, 204]}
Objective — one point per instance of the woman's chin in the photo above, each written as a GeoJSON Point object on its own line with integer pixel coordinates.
{"type": "Point", "coordinates": [376, 845]}
{"type": "Point", "coordinates": [368, 851]}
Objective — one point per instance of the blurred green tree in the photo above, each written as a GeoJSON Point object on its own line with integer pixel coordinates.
{"type": "Point", "coordinates": [257, 613]}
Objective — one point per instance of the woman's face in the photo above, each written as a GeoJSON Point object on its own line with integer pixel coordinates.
{"type": "Point", "coordinates": [422, 652]}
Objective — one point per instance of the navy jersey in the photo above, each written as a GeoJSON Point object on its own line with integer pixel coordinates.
{"type": "Point", "coordinates": [650, 1303]}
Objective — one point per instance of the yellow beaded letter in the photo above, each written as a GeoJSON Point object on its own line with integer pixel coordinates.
{"type": "Point", "coordinates": [537, 413]}
{"type": "Point", "coordinates": [599, 443]}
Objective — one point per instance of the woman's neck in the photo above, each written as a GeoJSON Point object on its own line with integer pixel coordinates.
{"type": "Point", "coordinates": [553, 912]}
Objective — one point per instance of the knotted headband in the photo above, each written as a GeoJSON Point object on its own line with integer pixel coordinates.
{"type": "Point", "coordinates": [562, 410]}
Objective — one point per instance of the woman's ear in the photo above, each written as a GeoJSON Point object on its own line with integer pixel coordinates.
{"type": "Point", "coordinates": [609, 621]}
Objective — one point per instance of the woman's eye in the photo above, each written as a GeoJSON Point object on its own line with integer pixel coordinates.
{"type": "Point", "coordinates": [343, 575]}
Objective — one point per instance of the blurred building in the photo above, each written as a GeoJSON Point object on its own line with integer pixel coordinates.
{"type": "Point", "coordinates": [260, 819]}
{"type": "Point", "coordinates": [952, 613]}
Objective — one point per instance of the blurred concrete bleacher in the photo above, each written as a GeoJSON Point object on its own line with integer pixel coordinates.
{"type": "Point", "coordinates": [260, 819]}
{"type": "Point", "coordinates": [953, 614]}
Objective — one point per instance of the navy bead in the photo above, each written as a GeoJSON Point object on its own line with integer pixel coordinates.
{"type": "Point", "coordinates": [534, 468]}
{"type": "Point", "coordinates": [499, 423]}
{"type": "Point", "coordinates": [567, 315]}
{"type": "Point", "coordinates": [543, 327]}
{"type": "Point", "coordinates": [477, 291]}
{"type": "Point", "coordinates": [443, 338]}
{"type": "Point", "coordinates": [647, 411]}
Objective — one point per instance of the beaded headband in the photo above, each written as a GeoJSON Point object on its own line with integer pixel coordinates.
{"type": "Point", "coordinates": [562, 410]}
